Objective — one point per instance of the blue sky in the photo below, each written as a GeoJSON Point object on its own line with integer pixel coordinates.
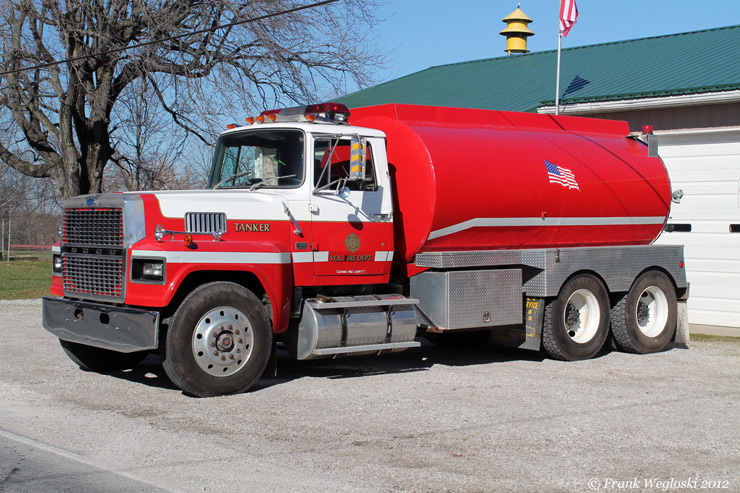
{"type": "Point", "coordinates": [425, 33]}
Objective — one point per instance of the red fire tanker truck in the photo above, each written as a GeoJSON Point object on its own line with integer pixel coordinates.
{"type": "Point", "coordinates": [335, 234]}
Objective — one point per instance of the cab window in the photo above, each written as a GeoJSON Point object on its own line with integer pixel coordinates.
{"type": "Point", "coordinates": [332, 163]}
{"type": "Point", "coordinates": [266, 158]}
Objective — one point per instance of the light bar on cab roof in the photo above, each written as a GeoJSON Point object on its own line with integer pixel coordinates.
{"type": "Point", "coordinates": [320, 113]}
{"type": "Point", "coordinates": [334, 111]}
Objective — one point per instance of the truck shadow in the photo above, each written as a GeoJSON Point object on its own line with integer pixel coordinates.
{"type": "Point", "coordinates": [409, 361]}
{"type": "Point", "coordinates": [150, 372]}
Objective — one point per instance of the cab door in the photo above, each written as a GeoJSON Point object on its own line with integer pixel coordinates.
{"type": "Point", "coordinates": [351, 211]}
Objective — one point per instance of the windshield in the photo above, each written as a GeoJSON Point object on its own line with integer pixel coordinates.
{"type": "Point", "coordinates": [267, 158]}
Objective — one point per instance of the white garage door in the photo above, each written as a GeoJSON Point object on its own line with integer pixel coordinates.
{"type": "Point", "coordinates": [706, 166]}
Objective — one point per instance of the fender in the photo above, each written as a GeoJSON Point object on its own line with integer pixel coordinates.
{"type": "Point", "coordinates": [262, 252]}
{"type": "Point", "coordinates": [269, 263]}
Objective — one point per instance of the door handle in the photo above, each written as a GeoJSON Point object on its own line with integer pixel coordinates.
{"type": "Point", "coordinates": [381, 217]}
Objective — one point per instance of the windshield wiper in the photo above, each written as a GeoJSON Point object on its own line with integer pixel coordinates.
{"type": "Point", "coordinates": [262, 183]}
{"type": "Point", "coordinates": [232, 177]}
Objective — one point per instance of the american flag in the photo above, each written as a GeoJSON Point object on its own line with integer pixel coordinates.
{"type": "Point", "coordinates": [568, 16]}
{"type": "Point", "coordinates": [561, 176]}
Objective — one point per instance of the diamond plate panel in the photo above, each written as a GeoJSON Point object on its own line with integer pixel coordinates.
{"type": "Point", "coordinates": [545, 270]}
{"type": "Point", "coordinates": [470, 299]}
{"type": "Point", "coordinates": [617, 266]}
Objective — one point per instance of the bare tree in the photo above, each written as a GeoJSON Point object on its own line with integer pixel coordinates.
{"type": "Point", "coordinates": [197, 72]}
{"type": "Point", "coordinates": [146, 140]}
{"type": "Point", "coordinates": [31, 205]}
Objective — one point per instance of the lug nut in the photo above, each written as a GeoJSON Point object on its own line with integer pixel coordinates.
{"type": "Point", "coordinates": [215, 353]}
{"type": "Point", "coordinates": [223, 358]}
{"type": "Point", "coordinates": [237, 332]}
{"type": "Point", "coordinates": [213, 344]}
{"type": "Point", "coordinates": [231, 356]}
{"type": "Point", "coordinates": [239, 340]}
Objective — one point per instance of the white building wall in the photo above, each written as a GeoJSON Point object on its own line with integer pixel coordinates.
{"type": "Point", "coordinates": [705, 164]}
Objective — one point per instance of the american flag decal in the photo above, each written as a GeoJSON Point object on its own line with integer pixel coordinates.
{"type": "Point", "coordinates": [561, 176]}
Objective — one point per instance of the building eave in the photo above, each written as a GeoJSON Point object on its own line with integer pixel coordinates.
{"type": "Point", "coordinates": [585, 107]}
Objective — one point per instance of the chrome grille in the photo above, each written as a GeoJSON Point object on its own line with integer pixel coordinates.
{"type": "Point", "coordinates": [205, 222]}
{"type": "Point", "coordinates": [93, 227]}
{"type": "Point", "coordinates": [93, 253]}
{"type": "Point", "coordinates": [93, 276]}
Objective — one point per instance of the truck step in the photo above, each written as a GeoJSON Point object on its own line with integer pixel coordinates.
{"type": "Point", "coordinates": [367, 349]}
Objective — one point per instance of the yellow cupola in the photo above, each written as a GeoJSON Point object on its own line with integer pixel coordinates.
{"type": "Point", "coordinates": [516, 32]}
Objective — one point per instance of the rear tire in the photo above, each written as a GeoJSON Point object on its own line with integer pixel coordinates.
{"type": "Point", "coordinates": [576, 323]}
{"type": "Point", "coordinates": [219, 341]}
{"type": "Point", "coordinates": [101, 360]}
{"type": "Point", "coordinates": [644, 320]}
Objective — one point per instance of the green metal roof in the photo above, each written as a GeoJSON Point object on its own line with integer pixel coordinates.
{"type": "Point", "coordinates": [684, 63]}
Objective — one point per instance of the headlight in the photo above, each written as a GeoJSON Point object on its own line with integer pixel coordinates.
{"type": "Point", "coordinates": [56, 264]}
{"type": "Point", "coordinates": [153, 269]}
{"type": "Point", "coordinates": [148, 270]}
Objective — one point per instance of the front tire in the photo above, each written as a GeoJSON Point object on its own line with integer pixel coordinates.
{"type": "Point", "coordinates": [644, 320]}
{"type": "Point", "coordinates": [219, 341]}
{"type": "Point", "coordinates": [101, 360]}
{"type": "Point", "coordinates": [576, 323]}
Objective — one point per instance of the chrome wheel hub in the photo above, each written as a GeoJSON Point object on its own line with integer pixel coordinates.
{"type": "Point", "coordinates": [223, 341]}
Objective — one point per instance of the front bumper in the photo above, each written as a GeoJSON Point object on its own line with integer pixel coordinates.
{"type": "Point", "coordinates": [121, 329]}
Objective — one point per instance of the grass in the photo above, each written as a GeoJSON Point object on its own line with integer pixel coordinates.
{"type": "Point", "coordinates": [711, 338]}
{"type": "Point", "coordinates": [24, 279]}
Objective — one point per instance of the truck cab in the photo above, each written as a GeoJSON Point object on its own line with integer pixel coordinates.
{"type": "Point", "coordinates": [333, 186]}
{"type": "Point", "coordinates": [297, 202]}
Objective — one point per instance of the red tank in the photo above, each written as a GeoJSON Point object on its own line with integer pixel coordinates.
{"type": "Point", "coordinates": [477, 179]}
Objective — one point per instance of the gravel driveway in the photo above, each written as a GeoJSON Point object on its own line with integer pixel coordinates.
{"type": "Point", "coordinates": [428, 419]}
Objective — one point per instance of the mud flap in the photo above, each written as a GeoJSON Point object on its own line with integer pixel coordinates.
{"type": "Point", "coordinates": [527, 336]}
{"type": "Point", "coordinates": [682, 337]}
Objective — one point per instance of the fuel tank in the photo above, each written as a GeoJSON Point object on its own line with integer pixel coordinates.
{"type": "Point", "coordinates": [476, 179]}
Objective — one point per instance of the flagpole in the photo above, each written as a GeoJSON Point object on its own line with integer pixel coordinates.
{"type": "Point", "coordinates": [557, 83]}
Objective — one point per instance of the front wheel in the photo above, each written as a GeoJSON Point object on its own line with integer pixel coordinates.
{"type": "Point", "coordinates": [644, 320]}
{"type": "Point", "coordinates": [576, 323]}
{"type": "Point", "coordinates": [219, 341]}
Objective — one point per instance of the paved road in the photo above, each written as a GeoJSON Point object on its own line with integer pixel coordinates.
{"type": "Point", "coordinates": [428, 419]}
{"type": "Point", "coordinates": [29, 465]}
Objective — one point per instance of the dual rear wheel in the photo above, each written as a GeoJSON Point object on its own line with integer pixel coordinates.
{"type": "Point", "coordinates": [577, 321]}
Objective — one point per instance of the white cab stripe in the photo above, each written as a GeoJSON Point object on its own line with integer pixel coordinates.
{"type": "Point", "coordinates": [383, 256]}
{"type": "Point", "coordinates": [216, 257]}
{"type": "Point", "coordinates": [302, 257]}
{"type": "Point", "coordinates": [482, 222]}
{"type": "Point", "coordinates": [244, 257]}
{"type": "Point", "coordinates": [307, 257]}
